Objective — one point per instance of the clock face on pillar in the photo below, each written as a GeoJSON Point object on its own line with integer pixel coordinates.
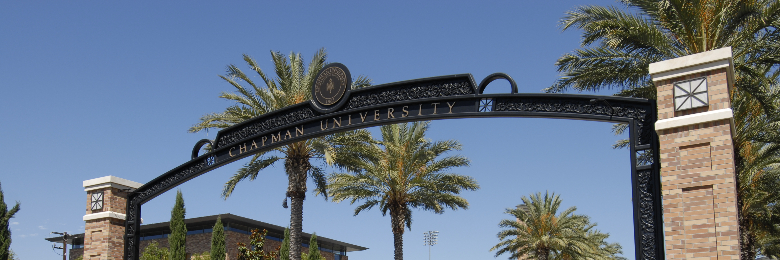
{"type": "Point", "coordinates": [97, 200]}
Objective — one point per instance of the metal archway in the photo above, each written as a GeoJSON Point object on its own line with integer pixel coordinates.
{"type": "Point", "coordinates": [444, 97]}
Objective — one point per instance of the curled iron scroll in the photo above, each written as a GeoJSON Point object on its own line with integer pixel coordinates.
{"type": "Point", "coordinates": [200, 144]}
{"type": "Point", "coordinates": [495, 76]}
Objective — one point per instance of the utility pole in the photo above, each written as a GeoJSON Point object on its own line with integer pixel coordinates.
{"type": "Point", "coordinates": [64, 244]}
{"type": "Point", "coordinates": [430, 240]}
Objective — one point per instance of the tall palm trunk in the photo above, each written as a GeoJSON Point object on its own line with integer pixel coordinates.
{"type": "Point", "coordinates": [542, 253]}
{"type": "Point", "coordinates": [296, 227]}
{"type": "Point", "coordinates": [747, 245]}
{"type": "Point", "coordinates": [397, 221]}
{"type": "Point", "coordinates": [747, 241]}
{"type": "Point", "coordinates": [297, 166]}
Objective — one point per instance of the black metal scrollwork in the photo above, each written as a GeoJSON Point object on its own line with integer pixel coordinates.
{"type": "Point", "coordinates": [647, 214]}
{"type": "Point", "coordinates": [641, 115]}
{"type": "Point", "coordinates": [383, 96]}
{"type": "Point", "coordinates": [281, 119]}
{"type": "Point", "coordinates": [447, 90]}
{"type": "Point", "coordinates": [144, 194]}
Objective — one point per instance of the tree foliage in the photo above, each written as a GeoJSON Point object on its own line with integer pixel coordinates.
{"type": "Point", "coordinates": [218, 241]}
{"type": "Point", "coordinates": [154, 252]}
{"type": "Point", "coordinates": [284, 250]}
{"type": "Point", "coordinates": [401, 172]}
{"type": "Point", "coordinates": [759, 174]}
{"type": "Point", "coordinates": [5, 231]}
{"type": "Point", "coordinates": [13, 256]}
{"type": "Point", "coordinates": [619, 45]}
{"type": "Point", "coordinates": [255, 250]}
{"type": "Point", "coordinates": [177, 240]}
{"type": "Point", "coordinates": [252, 99]}
{"type": "Point", "coordinates": [314, 250]}
{"type": "Point", "coordinates": [539, 231]}
{"type": "Point", "coordinates": [202, 256]}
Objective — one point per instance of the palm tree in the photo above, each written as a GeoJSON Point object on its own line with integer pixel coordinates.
{"type": "Point", "coordinates": [539, 231]}
{"type": "Point", "coordinates": [626, 43]}
{"type": "Point", "coordinates": [402, 172]}
{"type": "Point", "coordinates": [759, 181]}
{"type": "Point", "coordinates": [759, 167]}
{"type": "Point", "coordinates": [618, 47]}
{"type": "Point", "coordinates": [291, 87]}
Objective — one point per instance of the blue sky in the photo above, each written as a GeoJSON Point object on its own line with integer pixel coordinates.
{"type": "Point", "coordinates": [109, 88]}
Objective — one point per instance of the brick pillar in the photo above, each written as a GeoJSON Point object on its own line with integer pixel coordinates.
{"type": "Point", "coordinates": [695, 125]}
{"type": "Point", "coordinates": [105, 219]}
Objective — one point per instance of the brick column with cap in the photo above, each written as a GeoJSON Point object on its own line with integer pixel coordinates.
{"type": "Point", "coordinates": [695, 128]}
{"type": "Point", "coordinates": [105, 219]}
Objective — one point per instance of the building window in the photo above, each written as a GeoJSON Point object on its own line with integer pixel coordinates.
{"type": "Point", "coordinates": [150, 237]}
{"type": "Point", "coordinates": [193, 232]}
{"type": "Point", "coordinates": [237, 230]}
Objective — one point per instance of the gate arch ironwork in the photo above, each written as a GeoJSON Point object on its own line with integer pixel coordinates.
{"type": "Point", "coordinates": [443, 97]}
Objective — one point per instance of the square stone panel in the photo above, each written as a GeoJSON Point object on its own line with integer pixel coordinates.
{"type": "Point", "coordinates": [690, 94]}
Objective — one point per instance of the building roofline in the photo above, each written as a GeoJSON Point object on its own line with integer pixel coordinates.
{"type": "Point", "coordinates": [228, 218]}
{"type": "Point", "coordinates": [71, 237]}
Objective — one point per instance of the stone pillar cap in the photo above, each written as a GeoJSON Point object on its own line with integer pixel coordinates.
{"type": "Point", "coordinates": [110, 181]}
{"type": "Point", "coordinates": [694, 63]}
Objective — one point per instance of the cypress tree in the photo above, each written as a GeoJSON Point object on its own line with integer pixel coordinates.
{"type": "Point", "coordinates": [178, 237]}
{"type": "Point", "coordinates": [284, 251]}
{"type": "Point", "coordinates": [314, 250]}
{"type": "Point", "coordinates": [5, 232]}
{"type": "Point", "coordinates": [218, 240]}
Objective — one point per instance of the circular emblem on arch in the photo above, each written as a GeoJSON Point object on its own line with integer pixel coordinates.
{"type": "Point", "coordinates": [330, 86]}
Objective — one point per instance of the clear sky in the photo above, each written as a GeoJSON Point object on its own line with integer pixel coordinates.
{"type": "Point", "coordinates": [89, 89]}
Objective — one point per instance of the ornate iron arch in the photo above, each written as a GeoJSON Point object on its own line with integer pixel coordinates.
{"type": "Point", "coordinates": [443, 97]}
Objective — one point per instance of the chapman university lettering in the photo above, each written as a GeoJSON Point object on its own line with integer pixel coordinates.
{"type": "Point", "coordinates": [279, 136]}
{"type": "Point", "coordinates": [376, 115]}
{"type": "Point", "coordinates": [343, 121]}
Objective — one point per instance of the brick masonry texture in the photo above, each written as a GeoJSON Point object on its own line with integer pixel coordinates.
{"type": "Point", "coordinates": [113, 200]}
{"type": "Point", "coordinates": [698, 177]}
{"type": "Point", "coordinates": [718, 89]}
{"type": "Point", "coordinates": [103, 238]}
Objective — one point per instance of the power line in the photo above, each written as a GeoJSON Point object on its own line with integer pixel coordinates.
{"type": "Point", "coordinates": [64, 244]}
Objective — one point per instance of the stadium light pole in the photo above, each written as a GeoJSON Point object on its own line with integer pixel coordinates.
{"type": "Point", "coordinates": [430, 239]}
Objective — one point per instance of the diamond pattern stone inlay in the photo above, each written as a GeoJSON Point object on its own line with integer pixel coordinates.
{"type": "Point", "coordinates": [690, 94]}
{"type": "Point", "coordinates": [97, 200]}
